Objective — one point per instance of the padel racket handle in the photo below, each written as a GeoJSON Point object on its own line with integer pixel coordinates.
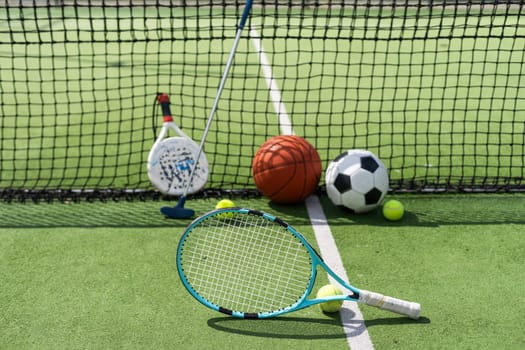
{"type": "Point", "coordinates": [164, 102]}
{"type": "Point", "coordinates": [407, 308]}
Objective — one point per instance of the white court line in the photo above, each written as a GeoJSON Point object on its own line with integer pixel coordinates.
{"type": "Point", "coordinates": [352, 320]}
{"type": "Point", "coordinates": [275, 94]}
{"type": "Point", "coordinates": [351, 317]}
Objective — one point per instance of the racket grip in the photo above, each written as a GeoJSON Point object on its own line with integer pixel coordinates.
{"type": "Point", "coordinates": [407, 308]}
{"type": "Point", "coordinates": [164, 102]}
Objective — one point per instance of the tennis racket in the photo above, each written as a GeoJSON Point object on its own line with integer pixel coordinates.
{"type": "Point", "coordinates": [250, 264]}
{"type": "Point", "coordinates": [171, 160]}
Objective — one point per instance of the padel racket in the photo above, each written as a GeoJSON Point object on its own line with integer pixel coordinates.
{"type": "Point", "coordinates": [171, 160]}
{"type": "Point", "coordinates": [250, 264]}
{"type": "Point", "coordinates": [179, 212]}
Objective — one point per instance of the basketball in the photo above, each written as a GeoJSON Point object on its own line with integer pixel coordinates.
{"type": "Point", "coordinates": [286, 169]}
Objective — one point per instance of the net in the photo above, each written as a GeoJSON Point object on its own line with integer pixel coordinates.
{"type": "Point", "coordinates": [436, 89]}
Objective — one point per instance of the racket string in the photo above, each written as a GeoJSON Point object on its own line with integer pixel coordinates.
{"type": "Point", "coordinates": [246, 263]}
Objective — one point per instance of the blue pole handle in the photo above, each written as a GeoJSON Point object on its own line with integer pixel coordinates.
{"type": "Point", "coordinates": [245, 13]}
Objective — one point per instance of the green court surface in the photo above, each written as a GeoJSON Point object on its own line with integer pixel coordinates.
{"type": "Point", "coordinates": [103, 275]}
{"type": "Point", "coordinates": [439, 108]}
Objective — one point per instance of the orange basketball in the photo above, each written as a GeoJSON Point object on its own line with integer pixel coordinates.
{"type": "Point", "coordinates": [286, 169]}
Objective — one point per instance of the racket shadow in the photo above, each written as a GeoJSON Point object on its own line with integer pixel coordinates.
{"type": "Point", "coordinates": [281, 327]}
{"type": "Point", "coordinates": [396, 321]}
{"type": "Point", "coordinates": [304, 328]}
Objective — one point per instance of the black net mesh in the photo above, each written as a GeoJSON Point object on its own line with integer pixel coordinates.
{"type": "Point", "coordinates": [435, 89]}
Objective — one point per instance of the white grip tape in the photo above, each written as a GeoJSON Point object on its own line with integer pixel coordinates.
{"type": "Point", "coordinates": [399, 306]}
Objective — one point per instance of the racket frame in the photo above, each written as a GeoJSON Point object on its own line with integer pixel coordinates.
{"type": "Point", "coordinates": [182, 141]}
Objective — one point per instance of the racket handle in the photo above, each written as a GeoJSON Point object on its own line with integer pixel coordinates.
{"type": "Point", "coordinates": [164, 102]}
{"type": "Point", "coordinates": [399, 306]}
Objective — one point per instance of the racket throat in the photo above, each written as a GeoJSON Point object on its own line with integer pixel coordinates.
{"type": "Point", "coordinates": [354, 296]}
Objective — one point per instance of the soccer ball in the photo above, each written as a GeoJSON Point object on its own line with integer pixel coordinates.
{"type": "Point", "coordinates": [357, 180]}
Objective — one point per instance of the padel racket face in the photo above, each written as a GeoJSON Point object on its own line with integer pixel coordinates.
{"type": "Point", "coordinates": [250, 264]}
{"type": "Point", "coordinates": [170, 163]}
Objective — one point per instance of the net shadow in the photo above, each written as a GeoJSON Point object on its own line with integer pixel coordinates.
{"type": "Point", "coordinates": [423, 211]}
{"type": "Point", "coordinates": [96, 214]}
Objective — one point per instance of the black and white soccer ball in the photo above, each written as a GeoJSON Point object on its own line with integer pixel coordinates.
{"type": "Point", "coordinates": [357, 180]}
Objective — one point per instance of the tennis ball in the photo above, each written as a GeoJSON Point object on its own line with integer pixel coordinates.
{"type": "Point", "coordinates": [393, 210]}
{"type": "Point", "coordinates": [225, 203]}
{"type": "Point", "coordinates": [328, 291]}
